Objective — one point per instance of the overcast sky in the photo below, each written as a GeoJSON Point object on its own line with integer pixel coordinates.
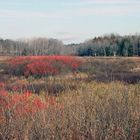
{"type": "Point", "coordinates": [71, 21]}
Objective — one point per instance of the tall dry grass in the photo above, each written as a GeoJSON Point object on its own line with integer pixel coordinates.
{"type": "Point", "coordinates": [97, 103]}
{"type": "Point", "coordinates": [92, 111]}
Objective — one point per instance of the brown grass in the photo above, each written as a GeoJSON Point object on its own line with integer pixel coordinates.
{"type": "Point", "coordinates": [91, 108]}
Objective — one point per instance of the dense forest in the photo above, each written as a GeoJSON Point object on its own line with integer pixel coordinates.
{"type": "Point", "coordinates": [109, 45]}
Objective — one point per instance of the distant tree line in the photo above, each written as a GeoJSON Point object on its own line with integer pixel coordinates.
{"type": "Point", "coordinates": [109, 45]}
{"type": "Point", "coordinates": [36, 46]}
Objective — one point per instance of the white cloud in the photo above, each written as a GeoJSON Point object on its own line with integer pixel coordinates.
{"type": "Point", "coordinates": [127, 8]}
{"type": "Point", "coordinates": [22, 14]}
{"type": "Point", "coordinates": [67, 36]}
{"type": "Point", "coordinates": [101, 2]}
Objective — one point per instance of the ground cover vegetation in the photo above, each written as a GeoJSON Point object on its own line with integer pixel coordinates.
{"type": "Point", "coordinates": [67, 97]}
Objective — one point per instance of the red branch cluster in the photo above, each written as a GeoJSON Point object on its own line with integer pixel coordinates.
{"type": "Point", "coordinates": [43, 65]}
{"type": "Point", "coordinates": [24, 105]}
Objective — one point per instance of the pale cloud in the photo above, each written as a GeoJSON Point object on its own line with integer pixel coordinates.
{"type": "Point", "coordinates": [104, 8]}
{"type": "Point", "coordinates": [101, 2]}
{"type": "Point", "coordinates": [121, 10]}
{"type": "Point", "coordinates": [111, 11]}
{"type": "Point", "coordinates": [67, 36]}
{"type": "Point", "coordinates": [111, 1]}
{"type": "Point", "coordinates": [23, 14]}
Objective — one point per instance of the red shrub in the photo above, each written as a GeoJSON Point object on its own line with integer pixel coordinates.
{"type": "Point", "coordinates": [42, 65]}
{"type": "Point", "coordinates": [24, 105]}
{"type": "Point", "coordinates": [2, 85]}
{"type": "Point", "coordinates": [39, 68]}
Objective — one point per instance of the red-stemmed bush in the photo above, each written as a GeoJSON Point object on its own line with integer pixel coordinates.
{"type": "Point", "coordinates": [42, 65]}
{"type": "Point", "coordinates": [24, 105]}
